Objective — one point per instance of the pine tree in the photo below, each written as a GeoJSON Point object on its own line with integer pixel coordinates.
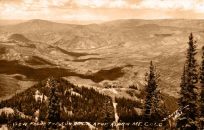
{"type": "Point", "coordinates": [67, 113]}
{"type": "Point", "coordinates": [54, 107]}
{"type": "Point", "coordinates": [183, 91]}
{"type": "Point", "coordinates": [151, 101]}
{"type": "Point", "coordinates": [183, 100]}
{"type": "Point", "coordinates": [42, 110]}
{"type": "Point", "coordinates": [157, 109]}
{"type": "Point", "coordinates": [108, 112]}
{"type": "Point", "coordinates": [188, 94]}
{"type": "Point", "coordinates": [202, 90]}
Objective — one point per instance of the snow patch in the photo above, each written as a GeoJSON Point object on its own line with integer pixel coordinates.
{"type": "Point", "coordinates": [73, 92]}
{"type": "Point", "coordinates": [76, 94]}
{"type": "Point", "coordinates": [139, 111]}
{"type": "Point", "coordinates": [6, 110]}
{"type": "Point", "coordinates": [115, 111]}
{"type": "Point", "coordinates": [40, 97]}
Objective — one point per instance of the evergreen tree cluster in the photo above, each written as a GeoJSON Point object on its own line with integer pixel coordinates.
{"type": "Point", "coordinates": [67, 102]}
{"type": "Point", "coordinates": [126, 110]}
{"type": "Point", "coordinates": [154, 110]}
{"type": "Point", "coordinates": [53, 107]}
{"type": "Point", "coordinates": [189, 92]}
{"type": "Point", "coordinates": [150, 91]}
{"type": "Point", "coordinates": [201, 99]}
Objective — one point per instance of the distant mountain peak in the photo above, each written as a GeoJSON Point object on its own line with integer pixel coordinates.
{"type": "Point", "coordinates": [38, 21]}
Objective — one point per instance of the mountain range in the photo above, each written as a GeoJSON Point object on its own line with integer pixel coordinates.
{"type": "Point", "coordinates": [113, 54]}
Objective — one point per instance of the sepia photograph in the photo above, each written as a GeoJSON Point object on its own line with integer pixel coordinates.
{"type": "Point", "coordinates": [101, 64]}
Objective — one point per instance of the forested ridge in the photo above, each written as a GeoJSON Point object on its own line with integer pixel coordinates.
{"type": "Point", "coordinates": [86, 104]}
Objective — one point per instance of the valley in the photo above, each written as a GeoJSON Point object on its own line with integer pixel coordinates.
{"type": "Point", "coordinates": [115, 53]}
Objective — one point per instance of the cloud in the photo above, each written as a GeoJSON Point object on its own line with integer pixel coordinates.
{"type": "Point", "coordinates": [194, 5]}
{"type": "Point", "coordinates": [102, 3]}
{"type": "Point", "coordinates": [165, 4]}
{"type": "Point", "coordinates": [100, 9]}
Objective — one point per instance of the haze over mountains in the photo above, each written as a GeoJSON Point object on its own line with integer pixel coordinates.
{"type": "Point", "coordinates": [116, 53]}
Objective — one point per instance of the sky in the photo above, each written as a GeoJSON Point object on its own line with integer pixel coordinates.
{"type": "Point", "coordinates": [101, 10]}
